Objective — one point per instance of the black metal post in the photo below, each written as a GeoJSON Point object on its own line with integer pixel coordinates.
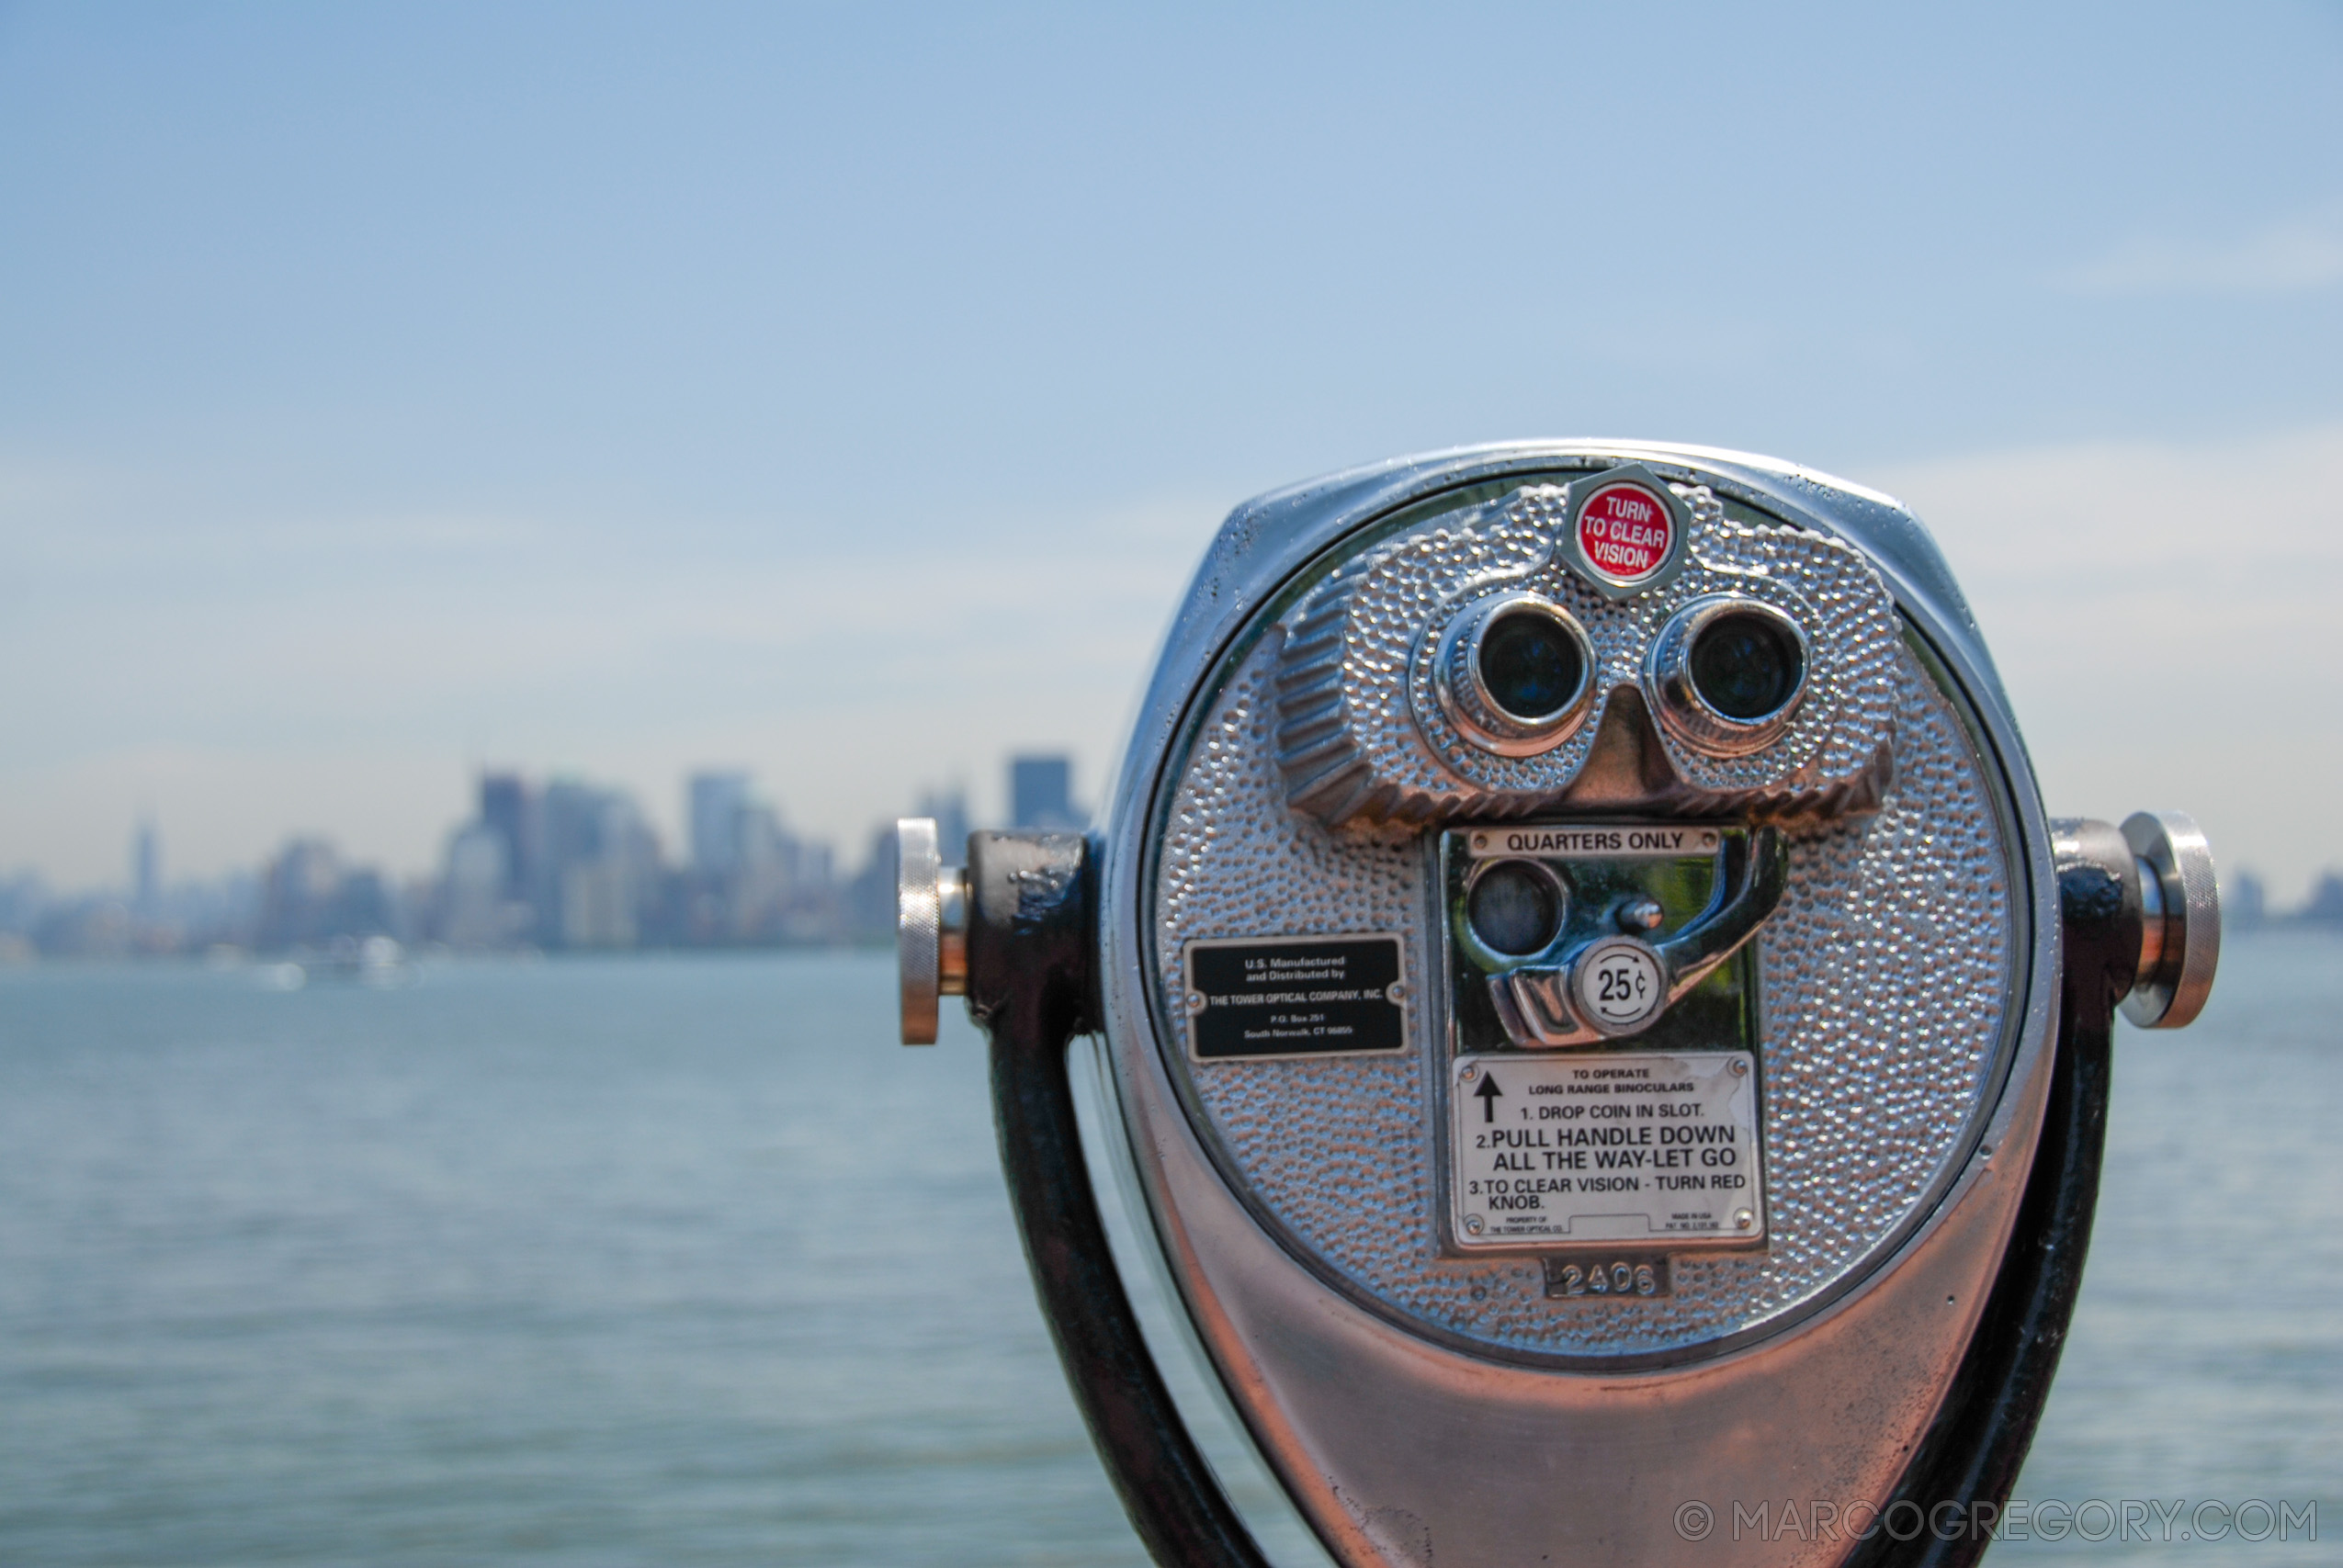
{"type": "Point", "coordinates": [1033, 988]}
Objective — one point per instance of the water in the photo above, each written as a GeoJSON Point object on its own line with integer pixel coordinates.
{"type": "Point", "coordinates": [679, 1260]}
{"type": "Point", "coordinates": [2207, 1357]}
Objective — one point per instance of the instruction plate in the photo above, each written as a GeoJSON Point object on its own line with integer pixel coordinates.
{"type": "Point", "coordinates": [1604, 1149]}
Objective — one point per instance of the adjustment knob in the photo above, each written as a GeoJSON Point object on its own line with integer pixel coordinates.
{"type": "Point", "coordinates": [2179, 918]}
{"type": "Point", "coordinates": [931, 927]}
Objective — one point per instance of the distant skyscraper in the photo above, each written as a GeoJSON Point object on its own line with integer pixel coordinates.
{"type": "Point", "coordinates": [950, 810]}
{"type": "Point", "coordinates": [1041, 793]}
{"type": "Point", "coordinates": [601, 865]}
{"type": "Point", "coordinates": [2244, 902]}
{"type": "Point", "coordinates": [870, 898]}
{"type": "Point", "coordinates": [505, 810]}
{"type": "Point", "coordinates": [298, 896]}
{"type": "Point", "coordinates": [715, 803]}
{"type": "Point", "coordinates": [146, 871]}
{"type": "Point", "coordinates": [476, 905]}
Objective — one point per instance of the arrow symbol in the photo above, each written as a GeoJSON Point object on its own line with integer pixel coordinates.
{"type": "Point", "coordinates": [1487, 1094]}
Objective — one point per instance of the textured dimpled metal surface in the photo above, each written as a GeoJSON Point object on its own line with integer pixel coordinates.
{"type": "Point", "coordinates": [1361, 735]}
{"type": "Point", "coordinates": [1883, 978]}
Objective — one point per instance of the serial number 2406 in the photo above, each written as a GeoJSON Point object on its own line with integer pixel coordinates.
{"type": "Point", "coordinates": [1620, 1279]}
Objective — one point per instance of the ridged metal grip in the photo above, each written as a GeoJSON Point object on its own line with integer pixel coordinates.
{"type": "Point", "coordinates": [931, 927]}
{"type": "Point", "coordinates": [917, 927]}
{"type": "Point", "coordinates": [2180, 920]}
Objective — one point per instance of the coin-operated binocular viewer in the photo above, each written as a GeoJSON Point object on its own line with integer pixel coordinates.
{"type": "Point", "coordinates": [1602, 1025]}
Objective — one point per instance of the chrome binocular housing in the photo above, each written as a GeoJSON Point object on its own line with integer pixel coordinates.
{"type": "Point", "coordinates": [1599, 1015]}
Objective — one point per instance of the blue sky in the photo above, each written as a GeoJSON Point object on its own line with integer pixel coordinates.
{"type": "Point", "coordinates": [845, 392]}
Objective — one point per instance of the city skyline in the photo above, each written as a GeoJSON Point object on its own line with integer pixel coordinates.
{"type": "Point", "coordinates": [148, 831]}
{"type": "Point", "coordinates": [562, 863]}
{"type": "Point", "coordinates": [544, 862]}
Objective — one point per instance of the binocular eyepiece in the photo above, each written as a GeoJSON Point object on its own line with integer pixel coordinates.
{"type": "Point", "coordinates": [1598, 1014]}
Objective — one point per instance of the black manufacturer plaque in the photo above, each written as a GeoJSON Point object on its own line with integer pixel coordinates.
{"type": "Point", "coordinates": [1295, 996]}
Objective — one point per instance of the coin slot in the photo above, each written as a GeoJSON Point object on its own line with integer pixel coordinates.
{"type": "Point", "coordinates": [1515, 908]}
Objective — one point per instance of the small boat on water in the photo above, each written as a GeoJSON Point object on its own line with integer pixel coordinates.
{"type": "Point", "coordinates": [376, 962]}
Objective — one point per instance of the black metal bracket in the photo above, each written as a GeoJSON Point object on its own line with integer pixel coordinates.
{"type": "Point", "coordinates": [1033, 986]}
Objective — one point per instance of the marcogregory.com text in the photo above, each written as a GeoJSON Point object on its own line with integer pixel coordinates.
{"type": "Point", "coordinates": [2020, 1518]}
